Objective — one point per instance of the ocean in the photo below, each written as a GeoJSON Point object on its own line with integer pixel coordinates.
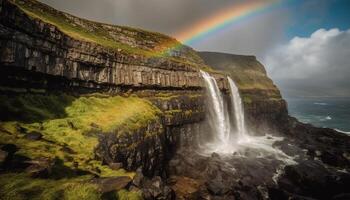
{"type": "Point", "coordinates": [323, 112]}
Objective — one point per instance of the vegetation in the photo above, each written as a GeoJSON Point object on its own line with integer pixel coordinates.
{"type": "Point", "coordinates": [126, 195]}
{"type": "Point", "coordinates": [70, 127]}
{"type": "Point", "coordinates": [108, 36]}
{"type": "Point", "coordinates": [70, 122]}
{"type": "Point", "coordinates": [85, 29]}
{"type": "Point", "coordinates": [21, 186]}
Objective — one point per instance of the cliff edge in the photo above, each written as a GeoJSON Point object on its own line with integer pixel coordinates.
{"type": "Point", "coordinates": [262, 100]}
{"type": "Point", "coordinates": [98, 111]}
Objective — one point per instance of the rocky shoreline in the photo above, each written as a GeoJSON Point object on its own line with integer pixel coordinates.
{"type": "Point", "coordinates": [319, 169]}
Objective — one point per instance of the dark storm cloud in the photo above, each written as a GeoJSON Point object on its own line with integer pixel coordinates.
{"type": "Point", "coordinates": [253, 36]}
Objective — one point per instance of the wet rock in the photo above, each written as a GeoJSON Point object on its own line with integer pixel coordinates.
{"type": "Point", "coordinates": [185, 188]}
{"type": "Point", "coordinates": [34, 135]}
{"type": "Point", "coordinates": [343, 196]}
{"type": "Point", "coordinates": [41, 167]}
{"type": "Point", "coordinates": [112, 183]}
{"type": "Point", "coordinates": [215, 155]}
{"type": "Point", "coordinates": [312, 179]}
{"type": "Point", "coordinates": [217, 187]}
{"type": "Point", "coordinates": [156, 189]}
{"type": "Point", "coordinates": [288, 148]}
{"type": "Point", "coordinates": [277, 194]}
{"type": "Point", "coordinates": [334, 158]}
{"type": "Point", "coordinates": [3, 156]}
{"type": "Point", "coordinates": [138, 178]}
{"type": "Point", "coordinates": [115, 166]}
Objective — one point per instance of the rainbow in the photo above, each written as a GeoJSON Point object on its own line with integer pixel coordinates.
{"type": "Point", "coordinates": [219, 21]}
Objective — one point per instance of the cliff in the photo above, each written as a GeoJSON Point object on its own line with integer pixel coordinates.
{"type": "Point", "coordinates": [37, 38]}
{"type": "Point", "coordinates": [263, 103]}
{"type": "Point", "coordinates": [98, 111]}
{"type": "Point", "coordinates": [84, 98]}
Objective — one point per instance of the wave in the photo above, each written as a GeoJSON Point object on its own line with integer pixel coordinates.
{"type": "Point", "coordinates": [325, 118]}
{"type": "Point", "coordinates": [342, 131]}
{"type": "Point", "coordinates": [321, 103]}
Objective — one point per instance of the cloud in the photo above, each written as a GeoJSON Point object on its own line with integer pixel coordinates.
{"type": "Point", "coordinates": [312, 66]}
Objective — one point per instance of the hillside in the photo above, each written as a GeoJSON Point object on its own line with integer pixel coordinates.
{"type": "Point", "coordinates": [85, 105]}
{"type": "Point", "coordinates": [261, 97]}
{"type": "Point", "coordinates": [118, 38]}
{"type": "Point", "coordinates": [105, 112]}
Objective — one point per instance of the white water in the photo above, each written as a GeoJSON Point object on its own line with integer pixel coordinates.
{"type": "Point", "coordinates": [230, 139]}
{"type": "Point", "coordinates": [218, 117]}
{"type": "Point", "coordinates": [238, 111]}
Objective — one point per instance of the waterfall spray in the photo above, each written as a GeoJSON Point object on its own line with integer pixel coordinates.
{"type": "Point", "coordinates": [226, 139]}
{"type": "Point", "coordinates": [218, 120]}
{"type": "Point", "coordinates": [238, 111]}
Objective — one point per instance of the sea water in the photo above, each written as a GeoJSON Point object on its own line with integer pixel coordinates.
{"type": "Point", "coordinates": [322, 112]}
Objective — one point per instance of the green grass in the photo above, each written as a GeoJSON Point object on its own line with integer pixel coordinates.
{"type": "Point", "coordinates": [67, 122]}
{"type": "Point", "coordinates": [72, 122]}
{"type": "Point", "coordinates": [97, 33]}
{"type": "Point", "coordinates": [33, 108]}
{"type": "Point", "coordinates": [21, 186]}
{"type": "Point", "coordinates": [126, 195]}
{"type": "Point", "coordinates": [88, 31]}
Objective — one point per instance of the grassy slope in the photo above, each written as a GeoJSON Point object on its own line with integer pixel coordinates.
{"type": "Point", "coordinates": [97, 33]}
{"type": "Point", "coordinates": [68, 122]}
{"type": "Point", "coordinates": [21, 187]}
{"type": "Point", "coordinates": [248, 73]}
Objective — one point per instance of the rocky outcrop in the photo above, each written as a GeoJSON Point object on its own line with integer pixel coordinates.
{"type": "Point", "coordinates": [264, 107]}
{"type": "Point", "coordinates": [37, 55]}
{"type": "Point", "coordinates": [152, 147]}
{"type": "Point", "coordinates": [31, 44]}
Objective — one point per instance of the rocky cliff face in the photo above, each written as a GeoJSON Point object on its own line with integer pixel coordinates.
{"type": "Point", "coordinates": [96, 107]}
{"type": "Point", "coordinates": [263, 103]}
{"type": "Point", "coordinates": [38, 56]}
{"type": "Point", "coordinates": [29, 43]}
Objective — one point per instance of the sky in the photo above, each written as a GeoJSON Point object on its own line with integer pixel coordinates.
{"type": "Point", "coordinates": [304, 44]}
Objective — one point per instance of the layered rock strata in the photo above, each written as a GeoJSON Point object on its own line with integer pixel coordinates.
{"type": "Point", "coordinates": [38, 57]}
{"type": "Point", "coordinates": [264, 106]}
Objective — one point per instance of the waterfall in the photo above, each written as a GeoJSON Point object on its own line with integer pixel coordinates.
{"type": "Point", "coordinates": [224, 137]}
{"type": "Point", "coordinates": [230, 139]}
{"type": "Point", "coordinates": [238, 110]}
{"type": "Point", "coordinates": [218, 116]}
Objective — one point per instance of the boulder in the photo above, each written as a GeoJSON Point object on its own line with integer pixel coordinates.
{"type": "Point", "coordinates": [41, 167]}
{"type": "Point", "coordinates": [115, 166]}
{"type": "Point", "coordinates": [3, 156]}
{"type": "Point", "coordinates": [156, 189]}
{"type": "Point", "coordinates": [313, 179]}
{"type": "Point", "coordinates": [34, 135]}
{"type": "Point", "coordinates": [112, 183]}
{"type": "Point", "coordinates": [185, 187]}
{"type": "Point", "coordinates": [342, 196]}
{"type": "Point", "coordinates": [217, 187]}
{"type": "Point", "coordinates": [138, 178]}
